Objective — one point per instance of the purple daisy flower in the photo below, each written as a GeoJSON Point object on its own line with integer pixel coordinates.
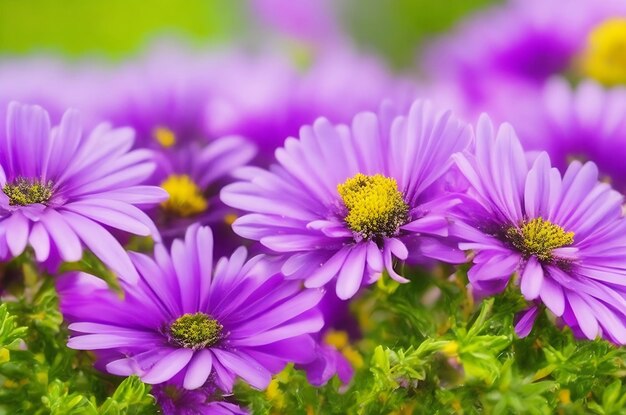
{"type": "Point", "coordinates": [163, 97]}
{"type": "Point", "coordinates": [528, 41]}
{"type": "Point", "coordinates": [189, 319]}
{"type": "Point", "coordinates": [343, 202]}
{"type": "Point", "coordinates": [585, 123]}
{"type": "Point", "coordinates": [563, 236]}
{"type": "Point", "coordinates": [62, 190]}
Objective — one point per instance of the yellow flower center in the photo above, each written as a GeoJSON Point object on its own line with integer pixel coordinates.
{"type": "Point", "coordinates": [23, 192]}
{"type": "Point", "coordinates": [164, 136]}
{"type": "Point", "coordinates": [195, 331]}
{"type": "Point", "coordinates": [538, 238]}
{"type": "Point", "coordinates": [605, 56]}
{"type": "Point", "coordinates": [375, 205]}
{"type": "Point", "coordinates": [186, 198]}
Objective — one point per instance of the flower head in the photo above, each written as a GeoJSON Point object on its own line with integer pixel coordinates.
{"type": "Point", "coordinates": [563, 236]}
{"type": "Point", "coordinates": [342, 202]}
{"type": "Point", "coordinates": [188, 320]}
{"type": "Point", "coordinates": [61, 189]}
{"type": "Point", "coordinates": [163, 97]}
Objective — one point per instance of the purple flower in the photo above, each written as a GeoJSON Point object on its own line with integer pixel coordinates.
{"type": "Point", "coordinates": [267, 100]}
{"type": "Point", "coordinates": [564, 237]}
{"type": "Point", "coordinates": [585, 123]}
{"type": "Point", "coordinates": [163, 97]}
{"type": "Point", "coordinates": [527, 41]}
{"type": "Point", "coordinates": [62, 190]}
{"type": "Point", "coordinates": [193, 173]}
{"type": "Point", "coordinates": [189, 319]}
{"type": "Point", "coordinates": [175, 400]}
{"type": "Point", "coordinates": [343, 202]}
{"type": "Point", "coordinates": [328, 362]}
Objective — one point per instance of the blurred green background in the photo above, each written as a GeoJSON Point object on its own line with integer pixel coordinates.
{"type": "Point", "coordinates": [116, 28]}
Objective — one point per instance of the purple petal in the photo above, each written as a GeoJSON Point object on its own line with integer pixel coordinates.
{"type": "Point", "coordinates": [168, 366]}
{"type": "Point", "coordinates": [40, 241]}
{"type": "Point", "coordinates": [526, 321]}
{"type": "Point", "coordinates": [17, 233]}
{"type": "Point", "coordinates": [351, 273]}
{"type": "Point", "coordinates": [198, 370]}
{"type": "Point", "coordinates": [532, 279]}
{"type": "Point", "coordinates": [103, 245]}
{"type": "Point", "coordinates": [65, 239]}
{"type": "Point", "coordinates": [244, 367]}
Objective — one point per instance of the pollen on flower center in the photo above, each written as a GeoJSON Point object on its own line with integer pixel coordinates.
{"type": "Point", "coordinates": [23, 192]}
{"type": "Point", "coordinates": [538, 237]}
{"type": "Point", "coordinates": [186, 198]}
{"type": "Point", "coordinates": [195, 331]}
{"type": "Point", "coordinates": [375, 205]}
{"type": "Point", "coordinates": [605, 56]}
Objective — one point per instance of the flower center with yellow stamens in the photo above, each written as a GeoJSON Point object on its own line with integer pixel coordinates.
{"type": "Point", "coordinates": [164, 136]}
{"type": "Point", "coordinates": [376, 208]}
{"type": "Point", "coordinates": [538, 237]}
{"type": "Point", "coordinates": [24, 192]}
{"type": "Point", "coordinates": [605, 56]}
{"type": "Point", "coordinates": [186, 197]}
{"type": "Point", "coordinates": [195, 331]}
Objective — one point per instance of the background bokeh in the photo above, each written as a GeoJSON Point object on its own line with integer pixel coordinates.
{"type": "Point", "coordinates": [118, 28]}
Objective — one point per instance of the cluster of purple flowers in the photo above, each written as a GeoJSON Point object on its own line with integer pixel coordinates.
{"type": "Point", "coordinates": [327, 205]}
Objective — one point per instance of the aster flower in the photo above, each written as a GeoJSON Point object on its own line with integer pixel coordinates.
{"type": "Point", "coordinates": [163, 96]}
{"type": "Point", "coordinates": [192, 174]}
{"type": "Point", "coordinates": [62, 190]}
{"type": "Point", "coordinates": [563, 236]}
{"type": "Point", "coordinates": [343, 202]}
{"type": "Point", "coordinates": [189, 319]}
{"type": "Point", "coordinates": [585, 123]}
{"type": "Point", "coordinates": [524, 42]}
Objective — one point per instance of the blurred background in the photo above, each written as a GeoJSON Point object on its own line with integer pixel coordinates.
{"type": "Point", "coordinates": [119, 28]}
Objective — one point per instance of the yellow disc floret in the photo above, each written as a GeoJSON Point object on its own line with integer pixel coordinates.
{"type": "Point", "coordinates": [186, 198]}
{"type": "Point", "coordinates": [375, 206]}
{"type": "Point", "coordinates": [605, 56]}
{"type": "Point", "coordinates": [164, 136]}
{"type": "Point", "coordinates": [538, 237]}
{"type": "Point", "coordinates": [195, 331]}
{"type": "Point", "coordinates": [23, 192]}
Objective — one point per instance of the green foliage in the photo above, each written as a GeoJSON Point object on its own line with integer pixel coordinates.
{"type": "Point", "coordinates": [396, 28]}
{"type": "Point", "coordinates": [112, 27]}
{"type": "Point", "coordinates": [426, 347]}
{"type": "Point", "coordinates": [429, 348]}
{"type": "Point", "coordinates": [38, 373]}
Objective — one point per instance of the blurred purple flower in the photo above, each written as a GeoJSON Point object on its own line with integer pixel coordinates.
{"type": "Point", "coordinates": [522, 42]}
{"type": "Point", "coordinates": [267, 100]}
{"type": "Point", "coordinates": [328, 362]}
{"type": "Point", "coordinates": [343, 202]}
{"type": "Point", "coordinates": [175, 400]}
{"type": "Point", "coordinates": [62, 189]}
{"type": "Point", "coordinates": [585, 123]}
{"type": "Point", "coordinates": [163, 96]}
{"type": "Point", "coordinates": [308, 20]}
{"type": "Point", "coordinates": [188, 318]}
{"type": "Point", "coordinates": [564, 236]}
